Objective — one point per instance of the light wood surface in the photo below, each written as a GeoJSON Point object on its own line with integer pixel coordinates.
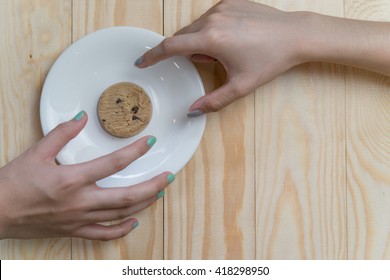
{"type": "Point", "coordinates": [300, 169]}
{"type": "Point", "coordinates": [368, 150]}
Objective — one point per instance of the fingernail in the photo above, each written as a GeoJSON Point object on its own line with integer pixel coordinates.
{"type": "Point", "coordinates": [195, 113]}
{"type": "Point", "coordinates": [79, 116]}
{"type": "Point", "coordinates": [170, 178]}
{"type": "Point", "coordinates": [136, 224]}
{"type": "Point", "coordinates": [151, 141]}
{"type": "Point", "coordinates": [160, 194]}
{"type": "Point", "coordinates": [139, 61]}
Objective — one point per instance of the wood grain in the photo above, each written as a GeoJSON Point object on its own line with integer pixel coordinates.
{"type": "Point", "coordinates": [91, 15]}
{"type": "Point", "coordinates": [146, 242]}
{"type": "Point", "coordinates": [300, 158]}
{"type": "Point", "coordinates": [209, 209]}
{"type": "Point", "coordinates": [298, 170]}
{"type": "Point", "coordinates": [32, 35]}
{"type": "Point", "coordinates": [368, 150]}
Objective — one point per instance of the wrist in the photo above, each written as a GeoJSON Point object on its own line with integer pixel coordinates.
{"type": "Point", "coordinates": [324, 38]}
{"type": "Point", "coordinates": [305, 43]}
{"type": "Point", "coordinates": [310, 41]}
{"type": "Point", "coordinates": [344, 41]}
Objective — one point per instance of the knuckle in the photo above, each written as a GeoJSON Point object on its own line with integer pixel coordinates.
{"type": "Point", "coordinates": [222, 5]}
{"type": "Point", "coordinates": [212, 34]}
{"type": "Point", "coordinates": [214, 105]}
{"type": "Point", "coordinates": [167, 44]}
{"type": "Point", "coordinates": [63, 130]}
{"type": "Point", "coordinates": [69, 179]}
{"type": "Point", "coordinates": [158, 184]}
{"type": "Point", "coordinates": [118, 162]}
{"type": "Point", "coordinates": [129, 200]}
{"type": "Point", "coordinates": [60, 185]}
{"type": "Point", "coordinates": [237, 91]}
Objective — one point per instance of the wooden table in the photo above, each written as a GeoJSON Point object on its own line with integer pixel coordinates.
{"type": "Point", "coordinates": [298, 170]}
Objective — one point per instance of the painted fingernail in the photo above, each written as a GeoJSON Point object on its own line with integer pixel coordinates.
{"type": "Point", "coordinates": [79, 116]}
{"type": "Point", "coordinates": [151, 141]}
{"type": "Point", "coordinates": [139, 61]}
{"type": "Point", "coordinates": [160, 194]}
{"type": "Point", "coordinates": [195, 113]}
{"type": "Point", "coordinates": [170, 178]}
{"type": "Point", "coordinates": [136, 224]}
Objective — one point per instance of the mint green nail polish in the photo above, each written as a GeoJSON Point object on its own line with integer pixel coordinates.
{"type": "Point", "coordinates": [79, 116]}
{"type": "Point", "coordinates": [151, 141]}
{"type": "Point", "coordinates": [171, 178]}
{"type": "Point", "coordinates": [160, 194]}
{"type": "Point", "coordinates": [136, 224]}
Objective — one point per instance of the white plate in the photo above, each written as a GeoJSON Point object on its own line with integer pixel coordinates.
{"type": "Point", "coordinates": [93, 63]}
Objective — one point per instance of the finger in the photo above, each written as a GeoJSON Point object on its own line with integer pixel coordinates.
{"type": "Point", "coordinates": [50, 145]}
{"type": "Point", "coordinates": [186, 44]}
{"type": "Point", "coordinates": [106, 233]}
{"type": "Point", "coordinates": [121, 213]}
{"type": "Point", "coordinates": [107, 165]}
{"type": "Point", "coordinates": [115, 198]}
{"type": "Point", "coordinates": [219, 98]}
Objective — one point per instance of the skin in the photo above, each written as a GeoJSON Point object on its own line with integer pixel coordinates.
{"type": "Point", "coordinates": [255, 43]}
{"type": "Point", "coordinates": [42, 199]}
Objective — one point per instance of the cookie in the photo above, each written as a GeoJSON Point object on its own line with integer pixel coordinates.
{"type": "Point", "coordinates": [124, 110]}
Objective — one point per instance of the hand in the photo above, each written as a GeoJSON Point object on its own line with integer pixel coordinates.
{"type": "Point", "coordinates": [40, 199]}
{"type": "Point", "coordinates": [254, 43]}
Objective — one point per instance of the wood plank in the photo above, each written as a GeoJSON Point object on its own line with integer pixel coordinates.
{"type": "Point", "coordinates": [368, 146]}
{"type": "Point", "coordinates": [209, 210]}
{"type": "Point", "coordinates": [32, 35]}
{"type": "Point", "coordinates": [300, 158]}
{"type": "Point", "coordinates": [91, 15]}
{"type": "Point", "coordinates": [146, 242]}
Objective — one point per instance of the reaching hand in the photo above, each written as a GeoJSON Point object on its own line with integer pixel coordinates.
{"type": "Point", "coordinates": [40, 199]}
{"type": "Point", "coordinates": [254, 43]}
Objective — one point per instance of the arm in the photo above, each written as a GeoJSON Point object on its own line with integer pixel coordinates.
{"type": "Point", "coordinates": [255, 43]}
{"type": "Point", "coordinates": [362, 44]}
{"type": "Point", "coordinates": [40, 199]}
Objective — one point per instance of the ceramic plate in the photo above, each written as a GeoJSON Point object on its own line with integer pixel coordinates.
{"type": "Point", "coordinates": [95, 62]}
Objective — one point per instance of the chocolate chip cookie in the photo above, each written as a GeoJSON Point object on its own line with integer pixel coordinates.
{"type": "Point", "coordinates": [124, 109]}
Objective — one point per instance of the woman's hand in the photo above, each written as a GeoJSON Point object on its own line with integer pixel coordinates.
{"type": "Point", "coordinates": [40, 199]}
{"type": "Point", "coordinates": [254, 43]}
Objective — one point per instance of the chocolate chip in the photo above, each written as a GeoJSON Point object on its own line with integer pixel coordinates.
{"type": "Point", "coordinates": [135, 109]}
{"type": "Point", "coordinates": [135, 118]}
{"type": "Point", "coordinates": [119, 101]}
{"type": "Point", "coordinates": [103, 120]}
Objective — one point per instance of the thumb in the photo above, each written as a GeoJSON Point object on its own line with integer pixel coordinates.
{"type": "Point", "coordinates": [56, 139]}
{"type": "Point", "coordinates": [216, 100]}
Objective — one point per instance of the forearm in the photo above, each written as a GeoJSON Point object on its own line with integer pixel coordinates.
{"type": "Point", "coordinates": [362, 44]}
